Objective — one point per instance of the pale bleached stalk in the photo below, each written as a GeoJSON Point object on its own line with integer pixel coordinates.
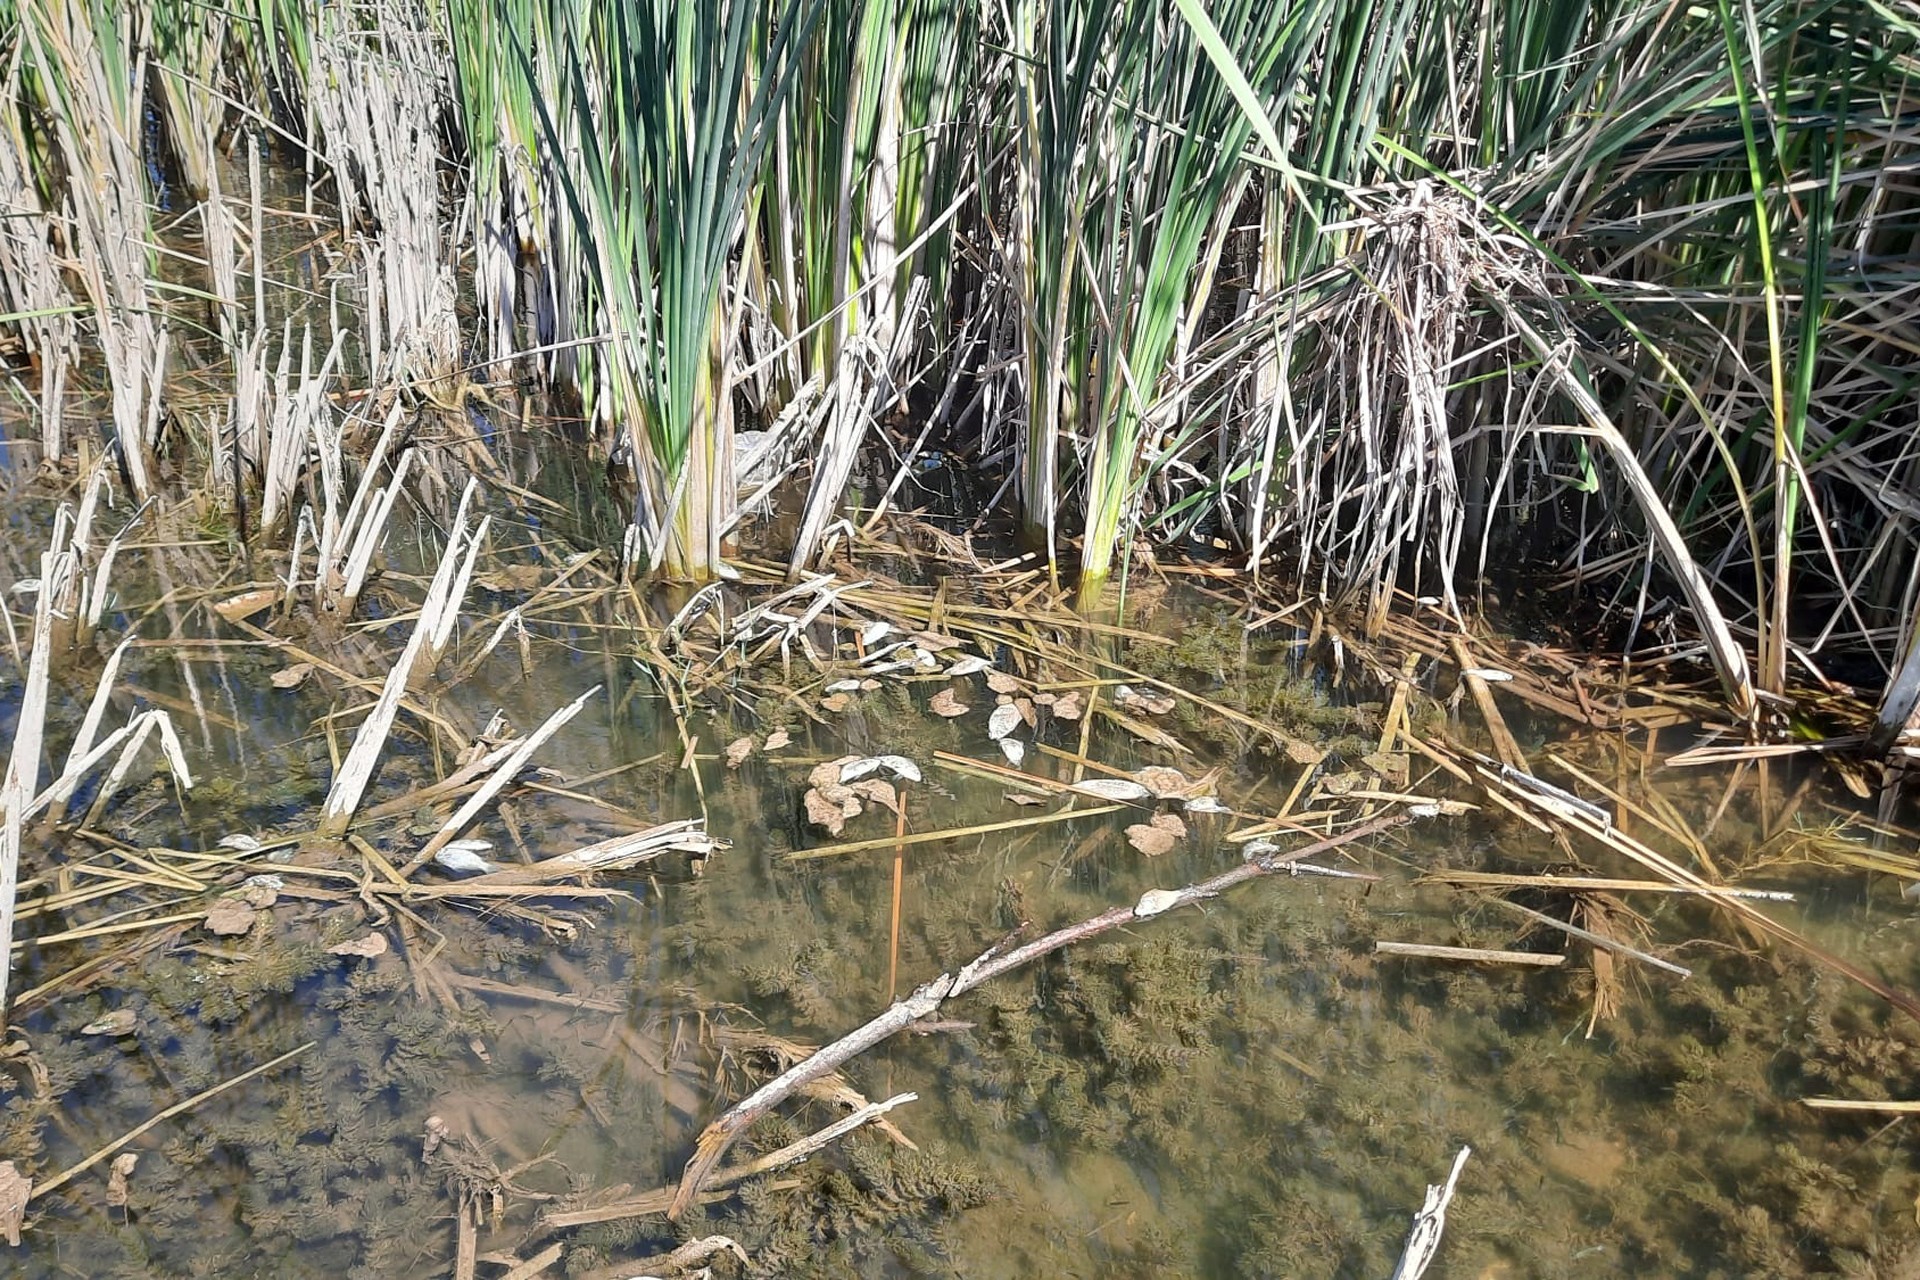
{"type": "Point", "coordinates": [23, 764]}
{"type": "Point", "coordinates": [83, 755]}
{"type": "Point", "coordinates": [356, 771]}
{"type": "Point", "coordinates": [499, 778]}
{"type": "Point", "coordinates": [1729, 659]}
{"type": "Point", "coordinates": [143, 726]}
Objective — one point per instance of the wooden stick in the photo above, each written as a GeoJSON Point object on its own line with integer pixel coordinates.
{"type": "Point", "coordinates": [69, 1174]}
{"type": "Point", "coordinates": [1477, 954]}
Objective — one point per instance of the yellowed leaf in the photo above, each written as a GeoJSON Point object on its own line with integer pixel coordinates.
{"type": "Point", "coordinates": [945, 703]}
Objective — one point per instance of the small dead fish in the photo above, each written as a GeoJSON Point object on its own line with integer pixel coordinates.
{"type": "Point", "coordinates": [970, 665]}
{"type": "Point", "coordinates": [1014, 750]}
{"type": "Point", "coordinates": [844, 686]}
{"type": "Point", "coordinates": [874, 632]}
{"type": "Point", "coordinates": [462, 857]}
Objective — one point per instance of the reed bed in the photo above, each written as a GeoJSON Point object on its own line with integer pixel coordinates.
{"type": "Point", "coordinates": [1379, 295]}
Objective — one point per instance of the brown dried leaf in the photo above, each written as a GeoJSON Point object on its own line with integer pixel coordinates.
{"type": "Point", "coordinates": [229, 918]}
{"type": "Point", "coordinates": [878, 790]}
{"type": "Point", "coordinates": [1001, 682]}
{"type": "Point", "coordinates": [1157, 836]}
{"type": "Point", "coordinates": [836, 702]}
{"type": "Point", "coordinates": [777, 739]}
{"type": "Point", "coordinates": [829, 810]}
{"type": "Point", "coordinates": [14, 1190]}
{"type": "Point", "coordinates": [944, 703]}
{"type": "Point", "coordinates": [1302, 752]}
{"type": "Point", "coordinates": [374, 944]}
{"type": "Point", "coordinates": [1164, 782]}
{"type": "Point", "coordinates": [259, 896]}
{"type": "Point", "coordinates": [291, 677]}
{"type": "Point", "coordinates": [827, 775]}
{"type": "Point", "coordinates": [1340, 784]}
{"type": "Point", "coordinates": [737, 752]}
{"type": "Point", "coordinates": [1027, 712]}
{"type": "Point", "coordinates": [117, 1175]}
{"type": "Point", "coordinates": [118, 1023]}
{"type": "Point", "coordinates": [1070, 706]}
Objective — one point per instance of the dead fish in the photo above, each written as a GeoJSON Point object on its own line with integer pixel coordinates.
{"type": "Point", "coordinates": [462, 858]}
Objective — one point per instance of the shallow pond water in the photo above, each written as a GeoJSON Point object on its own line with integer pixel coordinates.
{"type": "Point", "coordinates": [1242, 1089]}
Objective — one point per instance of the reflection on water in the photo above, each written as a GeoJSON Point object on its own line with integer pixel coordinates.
{"type": "Point", "coordinates": [1244, 1090]}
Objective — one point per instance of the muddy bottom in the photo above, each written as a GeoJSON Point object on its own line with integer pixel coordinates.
{"type": "Point", "coordinates": [1244, 1088]}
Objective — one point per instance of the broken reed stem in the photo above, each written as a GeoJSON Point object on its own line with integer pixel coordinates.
{"type": "Point", "coordinates": [990, 964]}
{"type": "Point", "coordinates": [69, 1174]}
{"type": "Point", "coordinates": [23, 765]}
{"type": "Point", "coordinates": [508, 769]}
{"type": "Point", "coordinates": [949, 833]}
{"type": "Point", "coordinates": [1599, 940]}
{"type": "Point", "coordinates": [1475, 955]}
{"type": "Point", "coordinates": [893, 928]}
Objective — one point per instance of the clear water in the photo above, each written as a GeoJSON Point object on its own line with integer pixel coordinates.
{"type": "Point", "coordinates": [1243, 1090]}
